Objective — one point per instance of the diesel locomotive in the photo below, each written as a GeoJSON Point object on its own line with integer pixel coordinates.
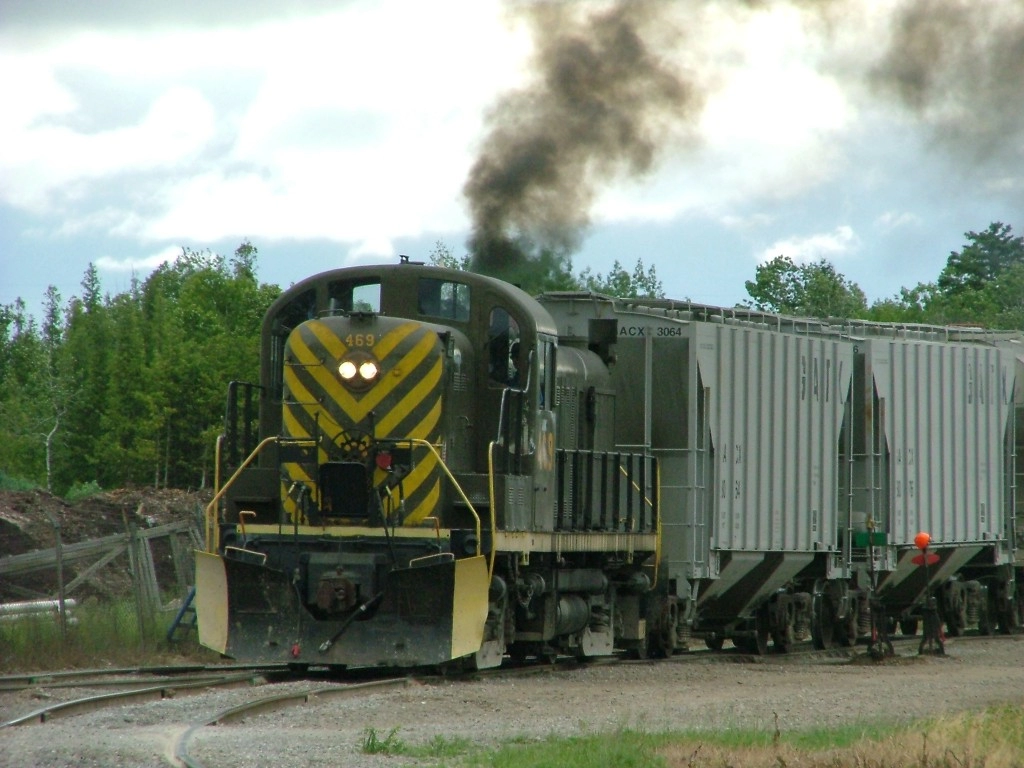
{"type": "Point", "coordinates": [422, 477]}
{"type": "Point", "coordinates": [437, 468]}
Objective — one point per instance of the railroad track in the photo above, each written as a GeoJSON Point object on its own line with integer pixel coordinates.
{"type": "Point", "coordinates": [183, 745]}
{"type": "Point", "coordinates": [202, 679]}
{"type": "Point", "coordinates": [133, 691]}
{"type": "Point", "coordinates": [125, 676]}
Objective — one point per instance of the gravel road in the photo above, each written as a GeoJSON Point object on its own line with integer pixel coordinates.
{"type": "Point", "coordinates": [685, 692]}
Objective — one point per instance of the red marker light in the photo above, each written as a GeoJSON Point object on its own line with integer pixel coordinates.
{"type": "Point", "coordinates": [384, 461]}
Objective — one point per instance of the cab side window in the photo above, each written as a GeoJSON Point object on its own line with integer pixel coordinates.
{"type": "Point", "coordinates": [503, 348]}
{"type": "Point", "coordinates": [344, 296]}
{"type": "Point", "coordinates": [443, 298]}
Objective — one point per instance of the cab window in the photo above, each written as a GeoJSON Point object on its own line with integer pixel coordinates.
{"type": "Point", "coordinates": [545, 374]}
{"type": "Point", "coordinates": [344, 296]}
{"type": "Point", "coordinates": [443, 298]}
{"type": "Point", "coordinates": [503, 348]}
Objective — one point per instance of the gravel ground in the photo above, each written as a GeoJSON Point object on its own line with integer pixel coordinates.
{"type": "Point", "coordinates": [682, 693]}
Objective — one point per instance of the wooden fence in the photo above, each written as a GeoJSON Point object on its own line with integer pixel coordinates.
{"type": "Point", "coordinates": [136, 544]}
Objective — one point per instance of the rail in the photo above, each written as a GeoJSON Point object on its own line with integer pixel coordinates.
{"type": "Point", "coordinates": [182, 748]}
{"type": "Point", "coordinates": [198, 684]}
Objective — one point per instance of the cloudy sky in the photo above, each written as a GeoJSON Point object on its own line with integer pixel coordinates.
{"type": "Point", "coordinates": [701, 137]}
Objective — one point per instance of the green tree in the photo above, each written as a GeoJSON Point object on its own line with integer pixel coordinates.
{"type": "Point", "coordinates": [442, 256]}
{"type": "Point", "coordinates": [813, 290]}
{"type": "Point", "coordinates": [127, 446]}
{"type": "Point", "coordinates": [980, 283]}
{"type": "Point", "coordinates": [546, 269]}
{"type": "Point", "coordinates": [22, 366]}
{"type": "Point", "coordinates": [979, 263]}
{"type": "Point", "coordinates": [641, 283]}
{"type": "Point", "coordinates": [84, 358]}
{"type": "Point", "coordinates": [203, 316]}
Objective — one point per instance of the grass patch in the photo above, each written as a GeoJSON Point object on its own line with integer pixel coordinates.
{"type": "Point", "coordinates": [622, 749]}
{"type": "Point", "coordinates": [373, 744]}
{"type": "Point", "coordinates": [11, 483]}
{"type": "Point", "coordinates": [992, 738]}
{"type": "Point", "coordinates": [80, 491]}
{"type": "Point", "coordinates": [99, 634]}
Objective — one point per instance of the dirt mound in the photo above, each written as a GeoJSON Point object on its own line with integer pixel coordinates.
{"type": "Point", "coordinates": [28, 519]}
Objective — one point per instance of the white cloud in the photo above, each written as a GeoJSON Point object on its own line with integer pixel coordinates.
{"type": "Point", "coordinates": [347, 134]}
{"type": "Point", "coordinates": [840, 242]}
{"type": "Point", "coordinates": [891, 220]}
{"type": "Point", "coordinates": [42, 160]}
{"type": "Point", "coordinates": [138, 264]}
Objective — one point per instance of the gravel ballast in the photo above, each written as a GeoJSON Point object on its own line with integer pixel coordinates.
{"type": "Point", "coordinates": [682, 693]}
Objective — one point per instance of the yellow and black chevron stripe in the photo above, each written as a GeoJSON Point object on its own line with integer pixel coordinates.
{"type": "Point", "coordinates": [405, 401]}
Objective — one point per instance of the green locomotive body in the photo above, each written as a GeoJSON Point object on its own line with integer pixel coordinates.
{"type": "Point", "coordinates": [420, 478]}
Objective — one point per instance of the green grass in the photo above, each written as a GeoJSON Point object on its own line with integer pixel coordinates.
{"type": "Point", "coordinates": [80, 491]}
{"type": "Point", "coordinates": [992, 738]}
{"type": "Point", "coordinates": [11, 483]}
{"type": "Point", "coordinates": [100, 634]}
{"type": "Point", "coordinates": [438, 747]}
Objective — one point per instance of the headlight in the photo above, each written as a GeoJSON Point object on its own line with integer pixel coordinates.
{"type": "Point", "coordinates": [347, 369]}
{"type": "Point", "coordinates": [358, 370]}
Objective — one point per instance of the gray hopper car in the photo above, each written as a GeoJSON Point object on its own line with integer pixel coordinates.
{"type": "Point", "coordinates": [800, 458]}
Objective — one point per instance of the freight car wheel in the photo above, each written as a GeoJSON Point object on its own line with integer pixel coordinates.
{"type": "Point", "coordinates": [1010, 618]}
{"type": "Point", "coordinates": [762, 629]}
{"type": "Point", "coordinates": [908, 626]}
{"type": "Point", "coordinates": [849, 627]}
{"type": "Point", "coordinates": [714, 642]}
{"type": "Point", "coordinates": [822, 618]}
{"type": "Point", "coordinates": [664, 641]}
{"type": "Point", "coordinates": [784, 637]}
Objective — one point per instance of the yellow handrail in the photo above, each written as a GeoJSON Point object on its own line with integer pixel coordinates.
{"type": "Point", "coordinates": [210, 515]}
{"type": "Point", "coordinates": [469, 504]}
{"type": "Point", "coordinates": [491, 500]}
{"type": "Point", "coordinates": [216, 463]}
{"type": "Point", "coordinates": [213, 530]}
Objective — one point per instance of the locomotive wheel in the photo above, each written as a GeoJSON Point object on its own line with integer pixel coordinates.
{"type": "Point", "coordinates": [822, 618]}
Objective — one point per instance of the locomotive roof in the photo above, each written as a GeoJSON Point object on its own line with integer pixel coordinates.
{"type": "Point", "coordinates": [407, 270]}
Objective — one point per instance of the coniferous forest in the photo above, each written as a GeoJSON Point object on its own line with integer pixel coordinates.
{"type": "Point", "coordinates": [108, 391]}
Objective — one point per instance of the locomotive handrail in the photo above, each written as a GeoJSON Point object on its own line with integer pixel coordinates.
{"type": "Point", "coordinates": [465, 498]}
{"type": "Point", "coordinates": [210, 514]}
{"type": "Point", "coordinates": [518, 390]}
{"type": "Point", "coordinates": [213, 531]}
{"type": "Point", "coordinates": [216, 462]}
{"type": "Point", "coordinates": [490, 501]}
